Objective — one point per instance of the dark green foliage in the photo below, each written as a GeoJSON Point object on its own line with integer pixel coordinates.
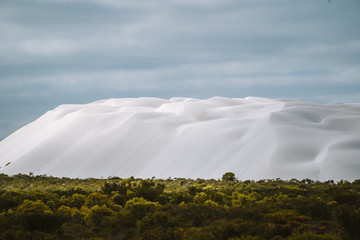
{"type": "Point", "coordinates": [229, 176]}
{"type": "Point", "coordinates": [10, 199]}
{"type": "Point", "coordinates": [40, 207]}
{"type": "Point", "coordinates": [349, 219]}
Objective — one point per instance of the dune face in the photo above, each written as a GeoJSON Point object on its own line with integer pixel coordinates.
{"type": "Point", "coordinates": [256, 138]}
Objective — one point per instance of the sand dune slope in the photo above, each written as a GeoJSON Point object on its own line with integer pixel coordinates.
{"type": "Point", "coordinates": [256, 138]}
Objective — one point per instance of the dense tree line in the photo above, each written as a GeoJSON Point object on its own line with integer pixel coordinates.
{"type": "Point", "coordinates": [41, 207]}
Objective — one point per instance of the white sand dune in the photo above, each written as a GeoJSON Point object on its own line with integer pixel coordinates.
{"type": "Point", "coordinates": [256, 138]}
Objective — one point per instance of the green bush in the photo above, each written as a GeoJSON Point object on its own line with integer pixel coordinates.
{"type": "Point", "coordinates": [40, 207]}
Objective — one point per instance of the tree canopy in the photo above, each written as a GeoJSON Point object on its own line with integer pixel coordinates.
{"type": "Point", "coordinates": [40, 207]}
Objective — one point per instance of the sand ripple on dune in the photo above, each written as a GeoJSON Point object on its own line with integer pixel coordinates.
{"type": "Point", "coordinates": [256, 138]}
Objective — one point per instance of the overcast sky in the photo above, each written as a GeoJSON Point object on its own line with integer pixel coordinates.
{"type": "Point", "coordinates": [76, 51]}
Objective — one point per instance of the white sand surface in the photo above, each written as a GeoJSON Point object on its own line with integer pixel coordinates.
{"type": "Point", "coordinates": [256, 138]}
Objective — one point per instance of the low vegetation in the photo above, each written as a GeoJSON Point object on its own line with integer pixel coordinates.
{"type": "Point", "coordinates": [41, 207]}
